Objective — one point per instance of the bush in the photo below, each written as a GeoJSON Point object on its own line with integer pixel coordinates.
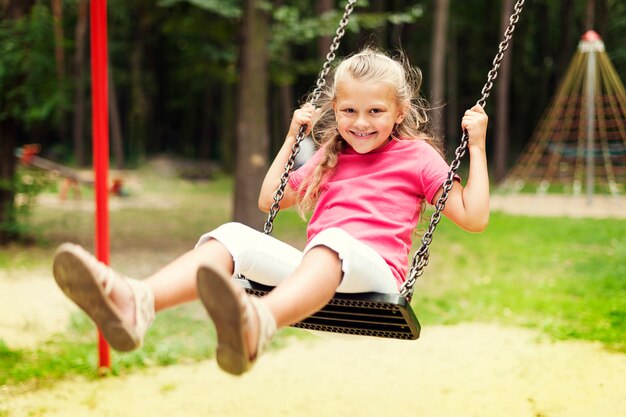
{"type": "Point", "coordinates": [27, 185]}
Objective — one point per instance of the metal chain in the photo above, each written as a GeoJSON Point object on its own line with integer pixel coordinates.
{"type": "Point", "coordinates": [421, 256]}
{"type": "Point", "coordinates": [295, 148]}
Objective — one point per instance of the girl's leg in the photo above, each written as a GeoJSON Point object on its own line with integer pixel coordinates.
{"type": "Point", "coordinates": [307, 290]}
{"type": "Point", "coordinates": [246, 324]}
{"type": "Point", "coordinates": [176, 282]}
{"type": "Point", "coordinates": [333, 262]}
{"type": "Point", "coordinates": [123, 308]}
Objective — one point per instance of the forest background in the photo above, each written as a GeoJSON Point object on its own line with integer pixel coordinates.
{"type": "Point", "coordinates": [218, 80]}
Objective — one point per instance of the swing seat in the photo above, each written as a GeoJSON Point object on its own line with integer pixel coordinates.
{"type": "Point", "coordinates": [360, 314]}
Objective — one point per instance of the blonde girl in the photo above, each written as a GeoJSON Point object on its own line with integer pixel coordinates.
{"type": "Point", "coordinates": [374, 169]}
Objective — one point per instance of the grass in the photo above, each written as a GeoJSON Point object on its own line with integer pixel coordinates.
{"type": "Point", "coordinates": [566, 277]}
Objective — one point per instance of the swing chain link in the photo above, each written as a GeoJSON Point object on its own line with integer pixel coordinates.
{"type": "Point", "coordinates": [421, 256]}
{"type": "Point", "coordinates": [295, 148]}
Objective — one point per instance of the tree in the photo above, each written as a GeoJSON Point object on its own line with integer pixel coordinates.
{"type": "Point", "coordinates": [437, 65]}
{"type": "Point", "coordinates": [80, 37]}
{"type": "Point", "coordinates": [10, 125]}
{"type": "Point", "coordinates": [252, 126]}
{"type": "Point", "coordinates": [502, 101]}
{"type": "Point", "coordinates": [324, 42]}
{"type": "Point", "coordinates": [59, 57]}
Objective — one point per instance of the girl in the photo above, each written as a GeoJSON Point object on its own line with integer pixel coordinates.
{"type": "Point", "coordinates": [366, 186]}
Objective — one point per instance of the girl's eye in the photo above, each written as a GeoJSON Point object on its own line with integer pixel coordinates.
{"type": "Point", "coordinates": [376, 111]}
{"type": "Point", "coordinates": [349, 110]}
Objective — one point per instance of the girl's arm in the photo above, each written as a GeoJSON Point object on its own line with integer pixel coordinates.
{"type": "Point", "coordinates": [468, 206]}
{"type": "Point", "coordinates": [302, 116]}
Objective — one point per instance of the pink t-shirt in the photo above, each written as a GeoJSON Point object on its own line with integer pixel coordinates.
{"type": "Point", "coordinates": [375, 197]}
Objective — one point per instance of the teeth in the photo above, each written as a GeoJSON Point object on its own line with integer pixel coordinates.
{"type": "Point", "coordinates": [361, 134]}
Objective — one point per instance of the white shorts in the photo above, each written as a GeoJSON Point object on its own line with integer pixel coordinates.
{"type": "Point", "coordinates": [267, 260]}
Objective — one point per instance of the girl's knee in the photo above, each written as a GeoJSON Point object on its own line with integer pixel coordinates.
{"type": "Point", "coordinates": [232, 227]}
{"type": "Point", "coordinates": [323, 253]}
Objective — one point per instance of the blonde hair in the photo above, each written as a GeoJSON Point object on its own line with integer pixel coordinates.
{"type": "Point", "coordinates": [369, 65]}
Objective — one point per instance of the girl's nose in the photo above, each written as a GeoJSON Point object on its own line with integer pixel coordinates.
{"type": "Point", "coordinates": [360, 122]}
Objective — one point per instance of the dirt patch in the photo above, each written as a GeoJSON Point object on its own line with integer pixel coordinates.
{"type": "Point", "coordinates": [31, 307]}
{"type": "Point", "coordinates": [551, 205]}
{"type": "Point", "coordinates": [458, 371]}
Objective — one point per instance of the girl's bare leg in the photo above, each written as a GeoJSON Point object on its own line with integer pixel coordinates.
{"type": "Point", "coordinates": [175, 283]}
{"type": "Point", "coordinates": [304, 292]}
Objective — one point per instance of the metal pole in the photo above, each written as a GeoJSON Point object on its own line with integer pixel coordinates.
{"type": "Point", "coordinates": [100, 131]}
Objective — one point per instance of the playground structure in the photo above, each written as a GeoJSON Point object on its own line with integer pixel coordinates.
{"type": "Point", "coordinates": [71, 179]}
{"type": "Point", "coordinates": [581, 140]}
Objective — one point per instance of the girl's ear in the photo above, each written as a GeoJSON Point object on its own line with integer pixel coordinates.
{"type": "Point", "coordinates": [402, 112]}
{"type": "Point", "coordinates": [400, 116]}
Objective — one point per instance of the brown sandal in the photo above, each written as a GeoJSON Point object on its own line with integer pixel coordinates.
{"type": "Point", "coordinates": [231, 310]}
{"type": "Point", "coordinates": [88, 283]}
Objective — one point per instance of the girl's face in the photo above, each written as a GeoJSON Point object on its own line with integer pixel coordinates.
{"type": "Point", "coordinates": [366, 113]}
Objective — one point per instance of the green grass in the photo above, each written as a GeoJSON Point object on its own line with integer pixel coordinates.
{"type": "Point", "coordinates": [565, 277]}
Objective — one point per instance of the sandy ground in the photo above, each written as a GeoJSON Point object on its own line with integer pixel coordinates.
{"type": "Point", "coordinates": [467, 370]}
{"type": "Point", "coordinates": [599, 206]}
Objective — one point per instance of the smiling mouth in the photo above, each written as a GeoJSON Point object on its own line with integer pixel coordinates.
{"type": "Point", "coordinates": [362, 135]}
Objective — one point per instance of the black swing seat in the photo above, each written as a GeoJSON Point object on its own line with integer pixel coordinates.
{"type": "Point", "coordinates": [362, 314]}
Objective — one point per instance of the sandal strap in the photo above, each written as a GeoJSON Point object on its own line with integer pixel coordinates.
{"type": "Point", "coordinates": [142, 294]}
{"type": "Point", "coordinates": [107, 279]}
{"type": "Point", "coordinates": [267, 324]}
{"type": "Point", "coordinates": [103, 273]}
{"type": "Point", "coordinates": [144, 306]}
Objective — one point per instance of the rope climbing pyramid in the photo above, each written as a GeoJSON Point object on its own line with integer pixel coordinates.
{"type": "Point", "coordinates": [580, 144]}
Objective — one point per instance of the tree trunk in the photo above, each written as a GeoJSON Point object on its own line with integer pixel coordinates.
{"type": "Point", "coordinates": [453, 117]}
{"type": "Point", "coordinates": [323, 42]}
{"type": "Point", "coordinates": [437, 66]}
{"type": "Point", "coordinates": [116, 126]}
{"type": "Point", "coordinates": [9, 132]}
{"type": "Point", "coordinates": [285, 90]}
{"type": "Point", "coordinates": [8, 142]}
{"type": "Point", "coordinates": [502, 101]}
{"type": "Point", "coordinates": [252, 125]}
{"type": "Point", "coordinates": [79, 94]}
{"type": "Point", "coordinates": [590, 15]}
{"type": "Point", "coordinates": [286, 109]}
{"type": "Point", "coordinates": [140, 103]}
{"type": "Point", "coordinates": [207, 135]}
{"type": "Point", "coordinates": [565, 38]}
{"type": "Point", "coordinates": [601, 17]}
{"type": "Point", "coordinates": [227, 130]}
{"type": "Point", "coordinates": [59, 57]}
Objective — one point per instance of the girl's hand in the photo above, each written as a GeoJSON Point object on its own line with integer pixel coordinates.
{"type": "Point", "coordinates": [302, 116]}
{"type": "Point", "coordinates": [475, 122]}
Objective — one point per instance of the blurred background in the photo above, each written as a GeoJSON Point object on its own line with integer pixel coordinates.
{"type": "Point", "coordinates": [178, 84]}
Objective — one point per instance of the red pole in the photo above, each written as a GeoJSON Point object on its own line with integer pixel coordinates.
{"type": "Point", "coordinates": [100, 131]}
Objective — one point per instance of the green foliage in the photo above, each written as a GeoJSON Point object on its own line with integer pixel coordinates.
{"type": "Point", "coordinates": [29, 89]}
{"type": "Point", "coordinates": [182, 56]}
{"type": "Point", "coordinates": [225, 8]}
{"type": "Point", "coordinates": [27, 185]}
{"type": "Point", "coordinates": [296, 25]}
{"type": "Point", "coordinates": [614, 39]}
